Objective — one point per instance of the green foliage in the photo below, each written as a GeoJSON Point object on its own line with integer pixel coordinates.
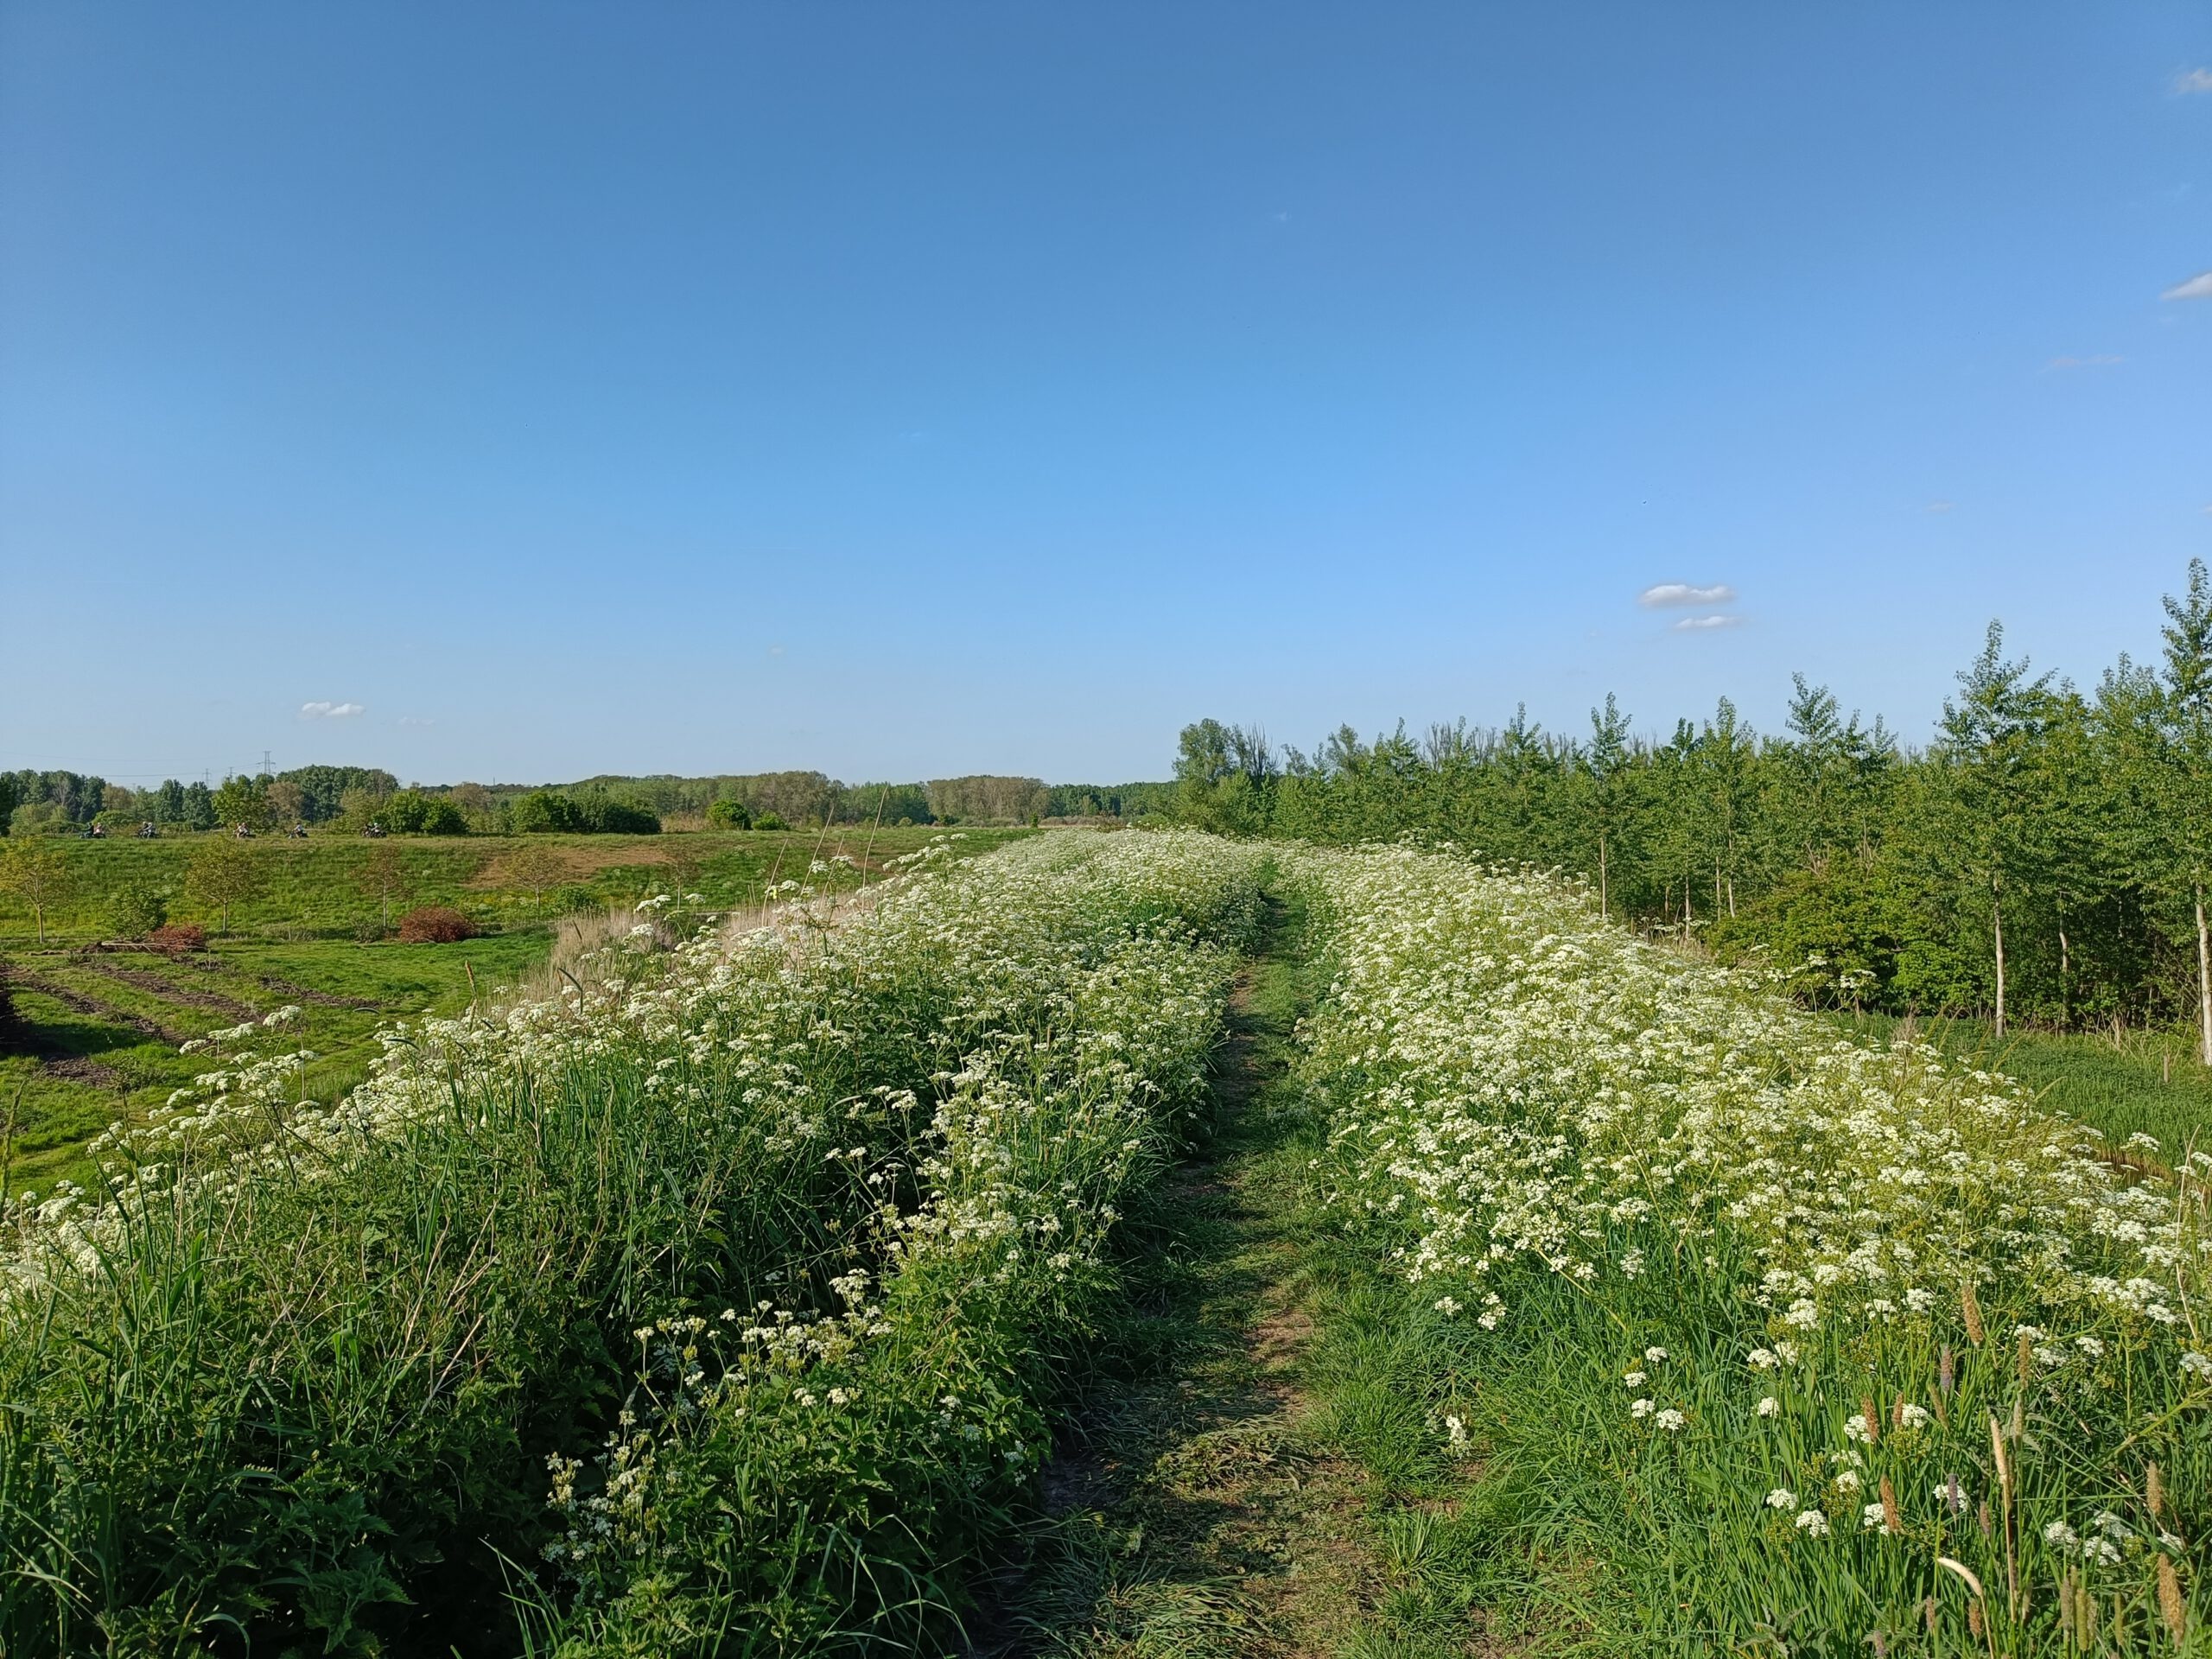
{"type": "Point", "coordinates": [323, 789]}
{"type": "Point", "coordinates": [316, 1381]}
{"type": "Point", "coordinates": [136, 910]}
{"type": "Point", "coordinates": [2044, 858]}
{"type": "Point", "coordinates": [1782, 1318]}
{"type": "Point", "coordinates": [222, 875]}
{"type": "Point", "coordinates": [549, 811]}
{"type": "Point", "coordinates": [729, 814]}
{"type": "Point", "coordinates": [40, 876]}
{"type": "Point", "coordinates": [243, 800]}
{"type": "Point", "coordinates": [769, 820]}
{"type": "Point", "coordinates": [414, 813]}
{"type": "Point", "coordinates": [75, 798]}
{"type": "Point", "coordinates": [1224, 777]}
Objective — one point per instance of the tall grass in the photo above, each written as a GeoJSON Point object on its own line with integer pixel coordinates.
{"type": "Point", "coordinates": [1828, 1348]}
{"type": "Point", "coordinates": [296, 1376]}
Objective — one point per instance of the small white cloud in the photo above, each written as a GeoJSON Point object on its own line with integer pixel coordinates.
{"type": "Point", "coordinates": [2194, 80]}
{"type": "Point", "coordinates": [2198, 287]}
{"type": "Point", "coordinates": [418, 720]}
{"type": "Point", "coordinates": [1941, 507]}
{"type": "Point", "coordinates": [331, 710]}
{"type": "Point", "coordinates": [1700, 624]}
{"type": "Point", "coordinates": [2099, 361]}
{"type": "Point", "coordinates": [775, 650]}
{"type": "Point", "coordinates": [1667, 594]}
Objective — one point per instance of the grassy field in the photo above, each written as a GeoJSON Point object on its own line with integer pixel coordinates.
{"type": "Point", "coordinates": [98, 1031]}
{"type": "Point", "coordinates": [319, 887]}
{"type": "Point", "coordinates": [2150, 1083]}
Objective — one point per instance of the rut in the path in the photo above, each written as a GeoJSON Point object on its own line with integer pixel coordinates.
{"type": "Point", "coordinates": [1195, 1510]}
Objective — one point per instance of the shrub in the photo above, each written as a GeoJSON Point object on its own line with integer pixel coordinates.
{"type": "Point", "coordinates": [769, 820]}
{"type": "Point", "coordinates": [603, 814]}
{"type": "Point", "coordinates": [434, 925]}
{"type": "Point", "coordinates": [134, 910]}
{"type": "Point", "coordinates": [177, 938]}
{"type": "Point", "coordinates": [545, 812]}
{"type": "Point", "coordinates": [411, 812]}
{"type": "Point", "coordinates": [729, 814]}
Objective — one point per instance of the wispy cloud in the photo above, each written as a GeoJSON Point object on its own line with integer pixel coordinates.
{"type": "Point", "coordinates": [418, 721]}
{"type": "Point", "coordinates": [2193, 81]}
{"type": "Point", "coordinates": [1666, 595]}
{"type": "Point", "coordinates": [2198, 287]}
{"type": "Point", "coordinates": [1941, 507]}
{"type": "Point", "coordinates": [2101, 360]}
{"type": "Point", "coordinates": [331, 710]}
{"type": "Point", "coordinates": [1700, 624]}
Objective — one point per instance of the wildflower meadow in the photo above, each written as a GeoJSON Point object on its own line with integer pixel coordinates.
{"type": "Point", "coordinates": [766, 1286]}
{"type": "Point", "coordinates": [1829, 1347]}
{"type": "Point", "coordinates": [712, 1305]}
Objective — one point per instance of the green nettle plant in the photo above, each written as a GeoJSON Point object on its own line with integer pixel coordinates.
{"type": "Point", "coordinates": [713, 1307]}
{"type": "Point", "coordinates": [1830, 1347]}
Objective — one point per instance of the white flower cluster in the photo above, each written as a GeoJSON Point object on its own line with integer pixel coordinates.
{"type": "Point", "coordinates": [1520, 1082]}
{"type": "Point", "coordinates": [1880, 1272]}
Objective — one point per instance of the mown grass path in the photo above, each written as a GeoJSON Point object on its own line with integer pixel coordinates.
{"type": "Point", "coordinates": [1249, 1482]}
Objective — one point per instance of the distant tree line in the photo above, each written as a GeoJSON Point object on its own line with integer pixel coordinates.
{"type": "Point", "coordinates": [2043, 859]}
{"type": "Point", "coordinates": [354, 797]}
{"type": "Point", "coordinates": [815, 798]}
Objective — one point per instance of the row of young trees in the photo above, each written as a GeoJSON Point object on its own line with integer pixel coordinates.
{"type": "Point", "coordinates": [2043, 859]}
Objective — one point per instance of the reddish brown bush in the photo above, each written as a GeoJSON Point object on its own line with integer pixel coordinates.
{"type": "Point", "coordinates": [434, 925]}
{"type": "Point", "coordinates": [177, 938]}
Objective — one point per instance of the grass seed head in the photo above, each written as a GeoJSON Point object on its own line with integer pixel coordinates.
{"type": "Point", "coordinates": [2171, 1607]}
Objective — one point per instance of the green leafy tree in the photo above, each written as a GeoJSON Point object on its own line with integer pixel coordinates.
{"type": "Point", "coordinates": [1990, 731]}
{"type": "Point", "coordinates": [1606, 767]}
{"type": "Point", "coordinates": [199, 807]}
{"type": "Point", "coordinates": [1224, 776]}
{"type": "Point", "coordinates": [243, 800]}
{"type": "Point", "coordinates": [37, 872]}
{"type": "Point", "coordinates": [383, 881]}
{"type": "Point", "coordinates": [2181, 772]}
{"type": "Point", "coordinates": [221, 875]}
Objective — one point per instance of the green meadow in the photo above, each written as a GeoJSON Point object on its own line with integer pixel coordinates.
{"type": "Point", "coordinates": [98, 1024]}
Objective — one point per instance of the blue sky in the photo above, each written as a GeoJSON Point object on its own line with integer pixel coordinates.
{"type": "Point", "coordinates": [911, 389]}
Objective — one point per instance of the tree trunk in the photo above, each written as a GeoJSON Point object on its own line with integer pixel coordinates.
{"type": "Point", "coordinates": [2065, 967]}
{"type": "Point", "coordinates": [1997, 919]}
{"type": "Point", "coordinates": [2203, 982]}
